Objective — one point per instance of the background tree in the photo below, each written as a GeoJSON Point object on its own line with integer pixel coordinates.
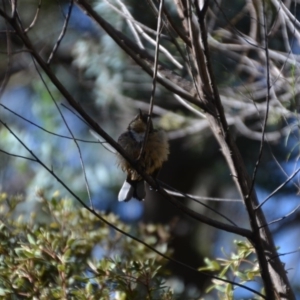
{"type": "Point", "coordinates": [214, 65]}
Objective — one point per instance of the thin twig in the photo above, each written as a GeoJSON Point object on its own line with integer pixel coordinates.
{"type": "Point", "coordinates": [278, 188]}
{"type": "Point", "coordinates": [44, 129]}
{"type": "Point", "coordinates": [17, 155]}
{"type": "Point", "coordinates": [284, 217]}
{"type": "Point", "coordinates": [70, 131]}
{"type": "Point", "coordinates": [141, 28]}
{"type": "Point", "coordinates": [35, 17]}
{"type": "Point", "coordinates": [158, 32]}
{"type": "Point", "coordinates": [264, 126]}
{"type": "Point", "coordinates": [63, 32]}
{"type": "Point", "coordinates": [199, 202]}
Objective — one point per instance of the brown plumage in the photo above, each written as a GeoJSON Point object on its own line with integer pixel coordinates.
{"type": "Point", "coordinates": [156, 152]}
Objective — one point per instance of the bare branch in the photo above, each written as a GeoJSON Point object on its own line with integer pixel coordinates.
{"type": "Point", "coordinates": [63, 32]}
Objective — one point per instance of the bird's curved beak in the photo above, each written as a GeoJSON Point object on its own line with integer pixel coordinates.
{"type": "Point", "coordinates": [140, 114]}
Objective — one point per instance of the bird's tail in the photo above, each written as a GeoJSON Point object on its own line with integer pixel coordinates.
{"type": "Point", "coordinates": [132, 189]}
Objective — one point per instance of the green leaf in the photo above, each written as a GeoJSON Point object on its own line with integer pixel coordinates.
{"type": "Point", "coordinates": [211, 265]}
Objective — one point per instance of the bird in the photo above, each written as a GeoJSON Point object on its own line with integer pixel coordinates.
{"type": "Point", "coordinates": [155, 154]}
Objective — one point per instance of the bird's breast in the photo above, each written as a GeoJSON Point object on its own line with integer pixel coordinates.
{"type": "Point", "coordinates": [137, 136]}
{"type": "Point", "coordinates": [156, 151]}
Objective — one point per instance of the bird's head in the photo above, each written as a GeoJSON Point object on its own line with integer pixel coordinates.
{"type": "Point", "coordinates": [139, 123]}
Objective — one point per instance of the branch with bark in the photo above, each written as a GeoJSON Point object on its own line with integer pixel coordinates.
{"type": "Point", "coordinates": [201, 94]}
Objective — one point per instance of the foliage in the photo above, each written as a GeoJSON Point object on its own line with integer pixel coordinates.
{"type": "Point", "coordinates": [241, 266]}
{"type": "Point", "coordinates": [57, 256]}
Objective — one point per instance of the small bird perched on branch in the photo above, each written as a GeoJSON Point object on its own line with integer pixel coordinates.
{"type": "Point", "coordinates": [155, 152]}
